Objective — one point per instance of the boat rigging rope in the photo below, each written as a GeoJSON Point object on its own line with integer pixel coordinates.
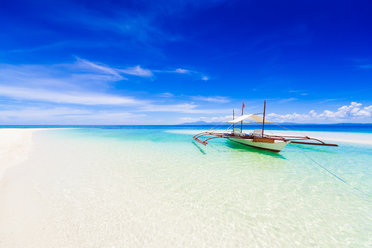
{"type": "Point", "coordinates": [214, 127]}
{"type": "Point", "coordinates": [337, 177]}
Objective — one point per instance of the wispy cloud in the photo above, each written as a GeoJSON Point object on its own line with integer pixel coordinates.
{"type": "Point", "coordinates": [67, 97]}
{"type": "Point", "coordinates": [206, 119]}
{"type": "Point", "coordinates": [76, 75]}
{"type": "Point", "coordinates": [101, 68]}
{"type": "Point", "coordinates": [291, 99]}
{"type": "Point", "coordinates": [215, 99]}
{"type": "Point", "coordinates": [67, 116]}
{"type": "Point", "coordinates": [365, 66]}
{"type": "Point", "coordinates": [363, 63]}
{"type": "Point", "coordinates": [140, 24]}
{"type": "Point", "coordinates": [166, 94]}
{"type": "Point", "coordinates": [182, 71]}
{"type": "Point", "coordinates": [180, 108]}
{"type": "Point", "coordinates": [134, 71]}
{"type": "Point", "coordinates": [192, 73]}
{"type": "Point", "coordinates": [298, 92]}
{"type": "Point", "coordinates": [140, 28]}
{"type": "Point", "coordinates": [82, 92]}
{"type": "Point", "coordinates": [81, 82]}
{"type": "Point", "coordinates": [137, 71]}
{"type": "Point", "coordinates": [41, 47]}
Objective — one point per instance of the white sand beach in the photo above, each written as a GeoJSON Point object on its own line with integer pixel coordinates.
{"type": "Point", "coordinates": [15, 144]}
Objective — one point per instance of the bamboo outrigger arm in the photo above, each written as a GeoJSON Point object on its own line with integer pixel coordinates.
{"type": "Point", "coordinates": [214, 136]}
{"type": "Point", "coordinates": [297, 140]}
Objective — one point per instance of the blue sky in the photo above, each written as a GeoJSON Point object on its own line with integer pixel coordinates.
{"type": "Point", "coordinates": [169, 62]}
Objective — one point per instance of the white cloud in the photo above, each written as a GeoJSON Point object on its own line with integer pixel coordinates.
{"type": "Point", "coordinates": [206, 119]}
{"type": "Point", "coordinates": [136, 71]}
{"type": "Point", "coordinates": [291, 99]}
{"type": "Point", "coordinates": [369, 108]}
{"type": "Point", "coordinates": [216, 99]}
{"type": "Point", "coordinates": [182, 71]}
{"type": "Point", "coordinates": [101, 68]}
{"type": "Point", "coordinates": [80, 93]}
{"type": "Point", "coordinates": [299, 92]}
{"type": "Point", "coordinates": [67, 116]}
{"type": "Point", "coordinates": [166, 94]}
{"type": "Point", "coordinates": [192, 73]}
{"type": "Point", "coordinates": [351, 112]}
{"type": "Point", "coordinates": [84, 98]}
{"type": "Point", "coordinates": [35, 76]}
{"type": "Point", "coordinates": [77, 75]}
{"type": "Point", "coordinates": [180, 108]}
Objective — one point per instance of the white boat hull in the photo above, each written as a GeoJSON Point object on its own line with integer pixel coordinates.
{"type": "Point", "coordinates": [276, 146]}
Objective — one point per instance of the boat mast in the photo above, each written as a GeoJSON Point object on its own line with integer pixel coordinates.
{"type": "Point", "coordinates": [263, 121]}
{"type": "Point", "coordinates": [233, 119]}
{"type": "Point", "coordinates": [241, 123]}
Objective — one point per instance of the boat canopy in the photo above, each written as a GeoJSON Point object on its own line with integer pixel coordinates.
{"type": "Point", "coordinates": [254, 117]}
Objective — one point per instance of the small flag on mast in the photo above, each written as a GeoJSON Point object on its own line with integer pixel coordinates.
{"type": "Point", "coordinates": [243, 105]}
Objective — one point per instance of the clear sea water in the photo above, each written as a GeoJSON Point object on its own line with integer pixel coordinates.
{"type": "Point", "coordinates": [152, 186]}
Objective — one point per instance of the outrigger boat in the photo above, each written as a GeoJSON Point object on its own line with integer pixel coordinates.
{"type": "Point", "coordinates": [257, 138]}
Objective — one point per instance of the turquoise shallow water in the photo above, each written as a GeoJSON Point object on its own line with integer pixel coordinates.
{"type": "Point", "coordinates": [155, 187]}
